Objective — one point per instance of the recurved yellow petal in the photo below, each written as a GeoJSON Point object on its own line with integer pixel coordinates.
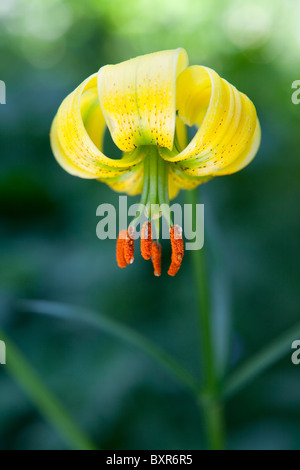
{"type": "Point", "coordinates": [138, 98]}
{"type": "Point", "coordinates": [182, 180]}
{"type": "Point", "coordinates": [130, 182]}
{"type": "Point", "coordinates": [77, 136]}
{"type": "Point", "coordinates": [228, 135]}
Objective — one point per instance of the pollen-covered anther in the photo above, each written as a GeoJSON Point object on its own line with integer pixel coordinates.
{"type": "Point", "coordinates": [129, 246]}
{"type": "Point", "coordinates": [146, 240]}
{"type": "Point", "coordinates": [177, 249]}
{"type": "Point", "coordinates": [156, 257]}
{"type": "Point", "coordinates": [121, 241]}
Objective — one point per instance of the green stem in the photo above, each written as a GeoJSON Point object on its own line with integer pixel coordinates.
{"type": "Point", "coordinates": [144, 196]}
{"type": "Point", "coordinates": [47, 403]}
{"type": "Point", "coordinates": [211, 404]}
{"type": "Point", "coordinates": [153, 181]}
{"type": "Point", "coordinates": [163, 190]}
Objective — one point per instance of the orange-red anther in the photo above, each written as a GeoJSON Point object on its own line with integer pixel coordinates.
{"type": "Point", "coordinates": [146, 240]}
{"type": "Point", "coordinates": [156, 258]}
{"type": "Point", "coordinates": [129, 246]}
{"type": "Point", "coordinates": [121, 241]}
{"type": "Point", "coordinates": [177, 249]}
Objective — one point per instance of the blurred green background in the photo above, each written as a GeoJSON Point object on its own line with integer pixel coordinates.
{"type": "Point", "coordinates": [49, 250]}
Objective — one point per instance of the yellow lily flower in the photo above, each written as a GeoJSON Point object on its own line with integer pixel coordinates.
{"type": "Point", "coordinates": [146, 103]}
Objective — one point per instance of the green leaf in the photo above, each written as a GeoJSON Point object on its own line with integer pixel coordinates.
{"type": "Point", "coordinates": [260, 362]}
{"type": "Point", "coordinates": [113, 328]}
{"type": "Point", "coordinates": [44, 400]}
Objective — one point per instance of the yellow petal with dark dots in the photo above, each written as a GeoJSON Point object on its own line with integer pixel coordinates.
{"type": "Point", "coordinates": [245, 157]}
{"type": "Point", "coordinates": [182, 180]}
{"type": "Point", "coordinates": [138, 99]}
{"type": "Point", "coordinates": [130, 182]}
{"type": "Point", "coordinates": [77, 135]}
{"type": "Point", "coordinates": [228, 133]}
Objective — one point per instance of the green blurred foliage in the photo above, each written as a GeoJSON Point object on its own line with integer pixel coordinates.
{"type": "Point", "coordinates": [49, 248]}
